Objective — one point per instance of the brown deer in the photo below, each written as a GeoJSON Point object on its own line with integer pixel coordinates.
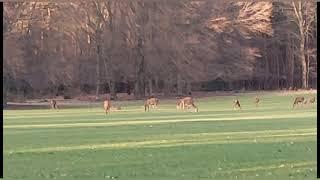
{"type": "Point", "coordinates": [153, 102]}
{"type": "Point", "coordinates": [107, 106]}
{"type": "Point", "coordinates": [298, 100]}
{"type": "Point", "coordinates": [236, 103]}
{"type": "Point", "coordinates": [179, 104]}
{"type": "Point", "coordinates": [312, 100]}
{"type": "Point", "coordinates": [187, 102]}
{"type": "Point", "coordinates": [53, 104]}
{"type": "Point", "coordinates": [257, 100]}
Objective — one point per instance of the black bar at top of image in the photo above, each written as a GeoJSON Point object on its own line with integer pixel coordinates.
{"type": "Point", "coordinates": [1, 169]}
{"type": "Point", "coordinates": [318, 131]}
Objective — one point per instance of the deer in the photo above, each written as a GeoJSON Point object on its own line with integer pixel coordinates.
{"type": "Point", "coordinates": [236, 103]}
{"type": "Point", "coordinates": [298, 100]}
{"type": "Point", "coordinates": [186, 102]}
{"type": "Point", "coordinates": [312, 100]}
{"type": "Point", "coordinates": [153, 102]}
{"type": "Point", "coordinates": [179, 104]}
{"type": "Point", "coordinates": [53, 104]}
{"type": "Point", "coordinates": [107, 106]}
{"type": "Point", "coordinates": [257, 100]}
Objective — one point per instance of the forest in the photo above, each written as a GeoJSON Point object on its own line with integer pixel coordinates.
{"type": "Point", "coordinates": [144, 47]}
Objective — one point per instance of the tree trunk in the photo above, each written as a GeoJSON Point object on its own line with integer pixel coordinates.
{"type": "Point", "coordinates": [267, 71]}
{"type": "Point", "coordinates": [179, 85]}
{"type": "Point", "coordinates": [230, 85]}
{"type": "Point", "coordinates": [150, 87]}
{"type": "Point", "coordinates": [290, 62]}
{"type": "Point", "coordinates": [140, 84]}
{"type": "Point", "coordinates": [156, 84]}
{"type": "Point", "coordinates": [308, 70]}
{"type": "Point", "coordinates": [278, 73]}
{"type": "Point", "coordinates": [307, 61]}
{"type": "Point", "coordinates": [303, 62]}
{"type": "Point", "coordinates": [112, 87]}
{"type": "Point", "coordinates": [98, 71]}
{"type": "Point", "coordinates": [4, 95]}
{"type": "Point", "coordinates": [41, 40]}
{"type": "Point", "coordinates": [109, 71]}
{"type": "Point", "coordinates": [140, 69]}
{"type": "Point", "coordinates": [301, 22]}
{"type": "Point", "coordinates": [189, 89]}
{"type": "Point", "coordinates": [167, 86]}
{"type": "Point", "coordinates": [75, 46]}
{"type": "Point", "coordinates": [110, 81]}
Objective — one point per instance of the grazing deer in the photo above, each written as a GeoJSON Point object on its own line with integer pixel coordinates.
{"type": "Point", "coordinates": [298, 100]}
{"type": "Point", "coordinates": [187, 102]}
{"type": "Point", "coordinates": [236, 103]}
{"type": "Point", "coordinates": [312, 100]}
{"type": "Point", "coordinates": [257, 100]}
{"type": "Point", "coordinates": [153, 102]}
{"type": "Point", "coordinates": [53, 104]}
{"type": "Point", "coordinates": [107, 106]}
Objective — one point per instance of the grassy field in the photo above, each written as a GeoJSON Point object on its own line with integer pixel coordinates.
{"type": "Point", "coordinates": [271, 142]}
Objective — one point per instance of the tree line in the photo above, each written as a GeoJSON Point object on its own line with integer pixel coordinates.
{"type": "Point", "coordinates": [146, 47]}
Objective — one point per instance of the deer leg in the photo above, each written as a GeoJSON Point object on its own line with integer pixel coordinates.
{"type": "Point", "coordinates": [194, 106]}
{"type": "Point", "coordinates": [146, 107]}
{"type": "Point", "coordinates": [183, 106]}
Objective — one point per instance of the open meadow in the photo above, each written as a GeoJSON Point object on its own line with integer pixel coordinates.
{"type": "Point", "coordinates": [269, 142]}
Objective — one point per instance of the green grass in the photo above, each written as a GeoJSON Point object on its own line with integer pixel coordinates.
{"type": "Point", "coordinates": [270, 142]}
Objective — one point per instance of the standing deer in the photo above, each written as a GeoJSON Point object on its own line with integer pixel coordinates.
{"type": "Point", "coordinates": [53, 104]}
{"type": "Point", "coordinates": [107, 106]}
{"type": "Point", "coordinates": [179, 104]}
{"type": "Point", "coordinates": [153, 102]}
{"type": "Point", "coordinates": [187, 102]}
{"type": "Point", "coordinates": [257, 100]}
{"type": "Point", "coordinates": [298, 100]}
{"type": "Point", "coordinates": [236, 103]}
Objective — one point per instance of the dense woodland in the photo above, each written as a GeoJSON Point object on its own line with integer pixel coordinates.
{"type": "Point", "coordinates": [145, 47]}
